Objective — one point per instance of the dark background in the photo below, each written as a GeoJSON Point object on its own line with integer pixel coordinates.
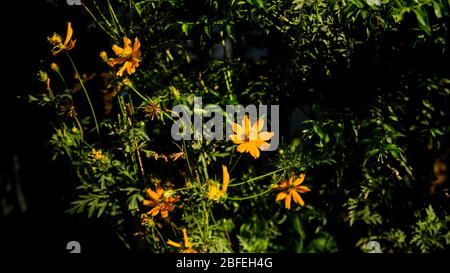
{"type": "Point", "coordinates": [34, 190]}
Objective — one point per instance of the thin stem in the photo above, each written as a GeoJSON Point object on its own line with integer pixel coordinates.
{"type": "Point", "coordinates": [187, 158]}
{"type": "Point", "coordinates": [235, 163]}
{"type": "Point", "coordinates": [255, 178]}
{"type": "Point", "coordinates": [160, 236]}
{"type": "Point", "coordinates": [85, 92]}
{"type": "Point", "coordinates": [62, 78]}
{"type": "Point", "coordinates": [249, 197]}
{"type": "Point", "coordinates": [96, 21]}
{"type": "Point", "coordinates": [205, 168]}
{"type": "Point", "coordinates": [79, 126]}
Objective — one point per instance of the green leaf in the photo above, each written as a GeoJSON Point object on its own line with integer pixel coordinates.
{"type": "Point", "coordinates": [437, 9]}
{"type": "Point", "coordinates": [422, 18]}
{"type": "Point", "coordinates": [370, 154]}
{"type": "Point", "coordinates": [185, 28]}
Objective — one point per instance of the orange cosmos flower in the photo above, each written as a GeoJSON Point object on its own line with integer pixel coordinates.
{"type": "Point", "coordinates": [58, 44]}
{"type": "Point", "coordinates": [214, 193]}
{"type": "Point", "coordinates": [290, 190]}
{"type": "Point", "coordinates": [160, 202]}
{"type": "Point", "coordinates": [128, 56]}
{"type": "Point", "coordinates": [250, 138]}
{"type": "Point", "coordinates": [186, 247]}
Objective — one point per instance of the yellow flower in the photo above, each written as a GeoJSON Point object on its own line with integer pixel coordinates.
{"type": "Point", "coordinates": [128, 56]}
{"type": "Point", "coordinates": [290, 190]}
{"type": "Point", "coordinates": [186, 247]}
{"type": "Point", "coordinates": [58, 44]}
{"type": "Point", "coordinates": [104, 56]}
{"type": "Point", "coordinates": [250, 138]}
{"type": "Point", "coordinates": [161, 203]}
{"type": "Point", "coordinates": [213, 192]}
{"type": "Point", "coordinates": [98, 155]}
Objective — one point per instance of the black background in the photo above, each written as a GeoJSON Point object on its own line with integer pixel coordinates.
{"type": "Point", "coordinates": [25, 130]}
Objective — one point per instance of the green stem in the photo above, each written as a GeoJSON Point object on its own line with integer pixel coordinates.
{"type": "Point", "coordinates": [85, 92]}
{"type": "Point", "coordinates": [97, 22]}
{"type": "Point", "coordinates": [249, 197]}
{"type": "Point", "coordinates": [255, 178]}
{"type": "Point", "coordinates": [205, 168]}
{"type": "Point", "coordinates": [235, 163]}
{"type": "Point", "coordinates": [62, 78]}
{"type": "Point", "coordinates": [79, 126]}
{"type": "Point", "coordinates": [160, 236]}
{"type": "Point", "coordinates": [187, 158]}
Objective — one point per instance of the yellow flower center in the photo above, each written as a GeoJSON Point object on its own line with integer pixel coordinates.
{"type": "Point", "coordinates": [56, 39]}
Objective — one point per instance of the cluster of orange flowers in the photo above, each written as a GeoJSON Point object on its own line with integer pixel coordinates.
{"type": "Point", "coordinates": [247, 136]}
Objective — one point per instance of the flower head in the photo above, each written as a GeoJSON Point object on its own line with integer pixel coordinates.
{"type": "Point", "coordinates": [128, 56]}
{"type": "Point", "coordinates": [214, 193]}
{"type": "Point", "coordinates": [152, 110]}
{"type": "Point", "coordinates": [250, 138]}
{"type": "Point", "coordinates": [160, 202]}
{"type": "Point", "coordinates": [290, 190]}
{"type": "Point", "coordinates": [57, 42]}
{"type": "Point", "coordinates": [54, 67]}
{"type": "Point", "coordinates": [186, 246]}
{"type": "Point", "coordinates": [98, 155]}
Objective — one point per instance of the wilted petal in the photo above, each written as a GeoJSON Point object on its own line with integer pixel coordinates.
{"type": "Point", "coordinates": [117, 50]}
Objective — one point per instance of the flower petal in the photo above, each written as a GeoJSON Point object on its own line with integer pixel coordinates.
{"type": "Point", "coordinates": [159, 191]}
{"type": "Point", "coordinates": [153, 195]}
{"type": "Point", "coordinates": [131, 69]}
{"type": "Point", "coordinates": [263, 145]}
{"type": "Point", "coordinates": [154, 211]}
{"type": "Point", "coordinates": [259, 124]}
{"type": "Point", "coordinates": [237, 139]}
{"type": "Point", "coordinates": [164, 212]}
{"type": "Point", "coordinates": [303, 189]}
{"type": "Point", "coordinates": [242, 148]}
{"type": "Point", "coordinates": [237, 128]}
{"type": "Point", "coordinates": [265, 136]}
{"type": "Point", "coordinates": [136, 45]}
{"type": "Point", "coordinates": [297, 198]}
{"type": "Point", "coordinates": [69, 33]}
{"type": "Point", "coordinates": [253, 150]}
{"type": "Point", "coordinates": [287, 201]}
{"type": "Point", "coordinates": [225, 178]}
{"type": "Point", "coordinates": [280, 196]}
{"type": "Point", "coordinates": [172, 243]}
{"type": "Point", "coordinates": [149, 203]}
{"type": "Point", "coordinates": [127, 44]}
{"type": "Point", "coordinates": [122, 69]}
{"type": "Point", "coordinates": [185, 237]}
{"type": "Point", "coordinates": [299, 180]}
{"type": "Point", "coordinates": [246, 124]}
{"type": "Point", "coordinates": [117, 50]}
